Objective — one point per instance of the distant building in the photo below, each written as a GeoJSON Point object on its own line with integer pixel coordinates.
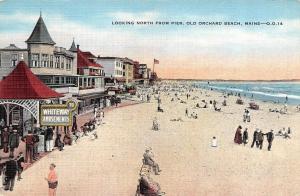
{"type": "Point", "coordinates": [136, 68]}
{"type": "Point", "coordinates": [113, 69]}
{"type": "Point", "coordinates": [143, 70]}
{"type": "Point", "coordinates": [10, 57]}
{"type": "Point", "coordinates": [113, 66]}
{"type": "Point", "coordinates": [91, 79]}
{"type": "Point", "coordinates": [128, 70]}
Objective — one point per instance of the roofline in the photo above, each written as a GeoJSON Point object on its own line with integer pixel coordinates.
{"type": "Point", "coordinates": [30, 42]}
{"type": "Point", "coordinates": [110, 57]}
{"type": "Point", "coordinates": [17, 49]}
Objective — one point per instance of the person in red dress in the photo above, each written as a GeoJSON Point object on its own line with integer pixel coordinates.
{"type": "Point", "coordinates": [238, 136]}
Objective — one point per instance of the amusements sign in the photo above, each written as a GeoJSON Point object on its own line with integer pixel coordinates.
{"type": "Point", "coordinates": [57, 114]}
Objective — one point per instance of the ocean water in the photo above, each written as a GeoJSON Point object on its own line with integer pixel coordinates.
{"type": "Point", "coordinates": [277, 92]}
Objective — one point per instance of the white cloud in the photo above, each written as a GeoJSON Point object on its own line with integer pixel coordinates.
{"type": "Point", "coordinates": [19, 17]}
{"type": "Point", "coordinates": [130, 42]}
{"type": "Point", "coordinates": [289, 25]}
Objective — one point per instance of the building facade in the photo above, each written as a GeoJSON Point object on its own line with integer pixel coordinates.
{"type": "Point", "coordinates": [113, 66]}
{"type": "Point", "coordinates": [56, 66]}
{"type": "Point", "coordinates": [91, 80]}
{"type": "Point", "coordinates": [10, 56]}
{"type": "Point", "coordinates": [128, 70]}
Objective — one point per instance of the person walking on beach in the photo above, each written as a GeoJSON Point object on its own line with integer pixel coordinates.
{"type": "Point", "coordinates": [255, 139]}
{"type": "Point", "coordinates": [10, 173]}
{"type": "Point", "coordinates": [245, 136]}
{"type": "Point", "coordinates": [186, 112]}
{"type": "Point", "coordinates": [238, 135]}
{"type": "Point", "coordinates": [36, 145]}
{"type": "Point", "coordinates": [74, 124]}
{"type": "Point", "coordinates": [260, 138]}
{"type": "Point", "coordinates": [49, 139]}
{"type": "Point", "coordinates": [20, 162]}
{"type": "Point", "coordinates": [5, 139]}
{"type": "Point", "coordinates": [52, 180]}
{"type": "Point", "coordinates": [270, 138]}
{"type": "Point", "coordinates": [13, 142]}
{"type": "Point", "coordinates": [29, 140]}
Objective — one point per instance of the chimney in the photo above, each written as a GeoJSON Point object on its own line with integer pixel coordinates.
{"type": "Point", "coordinates": [78, 46]}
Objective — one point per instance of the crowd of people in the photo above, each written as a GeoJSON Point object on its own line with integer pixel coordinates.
{"type": "Point", "coordinates": [258, 137]}
{"type": "Point", "coordinates": [13, 164]}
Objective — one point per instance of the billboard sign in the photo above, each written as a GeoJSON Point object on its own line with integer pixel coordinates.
{"type": "Point", "coordinates": [57, 114]}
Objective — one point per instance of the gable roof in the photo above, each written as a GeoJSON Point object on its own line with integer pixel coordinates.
{"type": "Point", "coordinates": [40, 34]}
{"type": "Point", "coordinates": [83, 60]}
{"type": "Point", "coordinates": [89, 55]}
{"type": "Point", "coordinates": [21, 83]}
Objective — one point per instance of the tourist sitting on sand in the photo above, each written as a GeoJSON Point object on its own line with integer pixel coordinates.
{"type": "Point", "coordinates": [67, 139]}
{"type": "Point", "coordinates": [148, 160]}
{"type": "Point", "coordinates": [284, 110]}
{"type": "Point", "coordinates": [181, 101]}
{"type": "Point", "coordinates": [194, 115]}
{"type": "Point", "coordinates": [217, 109]}
{"type": "Point", "coordinates": [285, 134]}
{"type": "Point", "coordinates": [224, 103]}
{"type": "Point", "coordinates": [84, 130]}
{"type": "Point", "coordinates": [273, 110]}
{"type": "Point", "coordinates": [159, 109]}
{"type": "Point", "coordinates": [214, 142]}
{"type": "Point", "coordinates": [178, 119]}
{"type": "Point", "coordinates": [197, 105]}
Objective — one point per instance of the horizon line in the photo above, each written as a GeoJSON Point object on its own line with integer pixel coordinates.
{"type": "Point", "coordinates": [235, 80]}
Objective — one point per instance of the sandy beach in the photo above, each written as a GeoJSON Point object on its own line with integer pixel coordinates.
{"type": "Point", "coordinates": [110, 165]}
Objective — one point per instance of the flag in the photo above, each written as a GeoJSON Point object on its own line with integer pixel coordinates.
{"type": "Point", "coordinates": [156, 61]}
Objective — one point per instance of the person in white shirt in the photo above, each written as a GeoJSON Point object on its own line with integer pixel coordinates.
{"type": "Point", "coordinates": [214, 142]}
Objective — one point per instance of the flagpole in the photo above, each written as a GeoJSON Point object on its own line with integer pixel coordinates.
{"type": "Point", "coordinates": [153, 65]}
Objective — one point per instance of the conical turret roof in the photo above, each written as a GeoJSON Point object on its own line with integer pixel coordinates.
{"type": "Point", "coordinates": [73, 47]}
{"type": "Point", "coordinates": [40, 34]}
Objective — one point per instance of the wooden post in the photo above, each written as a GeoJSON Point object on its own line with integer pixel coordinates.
{"type": "Point", "coordinates": [7, 113]}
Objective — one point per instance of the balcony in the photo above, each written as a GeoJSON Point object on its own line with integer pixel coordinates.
{"type": "Point", "coordinates": [89, 90]}
{"type": "Point", "coordinates": [66, 90]}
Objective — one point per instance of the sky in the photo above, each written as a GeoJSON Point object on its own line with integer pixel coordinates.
{"type": "Point", "coordinates": [241, 52]}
